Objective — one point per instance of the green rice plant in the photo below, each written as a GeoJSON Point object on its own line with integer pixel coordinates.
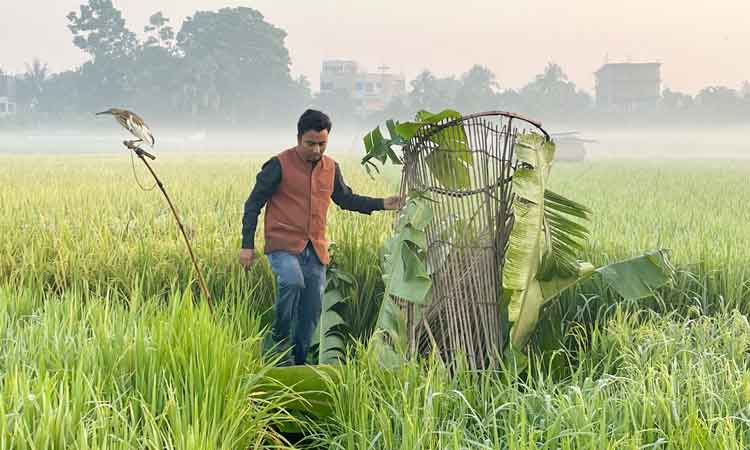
{"type": "Point", "coordinates": [84, 371]}
{"type": "Point", "coordinates": [646, 382]}
{"type": "Point", "coordinates": [102, 346]}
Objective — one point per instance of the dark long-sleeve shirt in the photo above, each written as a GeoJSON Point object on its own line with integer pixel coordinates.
{"type": "Point", "coordinates": [268, 180]}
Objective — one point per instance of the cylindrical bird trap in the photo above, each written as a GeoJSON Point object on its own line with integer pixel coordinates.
{"type": "Point", "coordinates": [465, 166]}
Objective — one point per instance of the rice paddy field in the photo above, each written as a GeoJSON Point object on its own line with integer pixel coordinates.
{"type": "Point", "coordinates": [105, 346]}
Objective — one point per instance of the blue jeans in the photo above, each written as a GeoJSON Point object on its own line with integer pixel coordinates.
{"type": "Point", "coordinates": [301, 280]}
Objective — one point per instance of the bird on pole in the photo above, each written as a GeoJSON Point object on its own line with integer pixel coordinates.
{"type": "Point", "coordinates": [133, 123]}
{"type": "Point", "coordinates": [138, 128]}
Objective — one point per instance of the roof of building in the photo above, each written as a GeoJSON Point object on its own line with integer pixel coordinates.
{"type": "Point", "coordinates": [625, 65]}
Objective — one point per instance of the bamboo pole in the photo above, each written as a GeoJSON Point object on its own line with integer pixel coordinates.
{"type": "Point", "coordinates": [141, 153]}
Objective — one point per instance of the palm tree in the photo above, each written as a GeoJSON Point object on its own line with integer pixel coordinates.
{"type": "Point", "coordinates": [36, 75]}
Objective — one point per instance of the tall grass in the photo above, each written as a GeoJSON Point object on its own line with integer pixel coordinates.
{"type": "Point", "coordinates": [87, 371]}
{"type": "Point", "coordinates": [644, 382]}
{"type": "Point", "coordinates": [697, 209]}
{"type": "Point", "coordinates": [69, 219]}
{"type": "Point", "coordinates": [104, 345]}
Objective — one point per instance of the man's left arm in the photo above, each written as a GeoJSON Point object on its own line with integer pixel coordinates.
{"type": "Point", "coordinates": [346, 199]}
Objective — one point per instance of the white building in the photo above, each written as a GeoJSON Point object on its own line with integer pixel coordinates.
{"type": "Point", "coordinates": [7, 91]}
{"type": "Point", "coordinates": [7, 108]}
{"type": "Point", "coordinates": [371, 90]}
{"type": "Point", "coordinates": [628, 86]}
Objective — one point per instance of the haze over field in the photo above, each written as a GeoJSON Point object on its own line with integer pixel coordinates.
{"type": "Point", "coordinates": [535, 58]}
{"type": "Point", "coordinates": [700, 43]}
{"type": "Point", "coordinates": [716, 143]}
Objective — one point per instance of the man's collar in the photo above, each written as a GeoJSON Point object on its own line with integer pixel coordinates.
{"type": "Point", "coordinates": [313, 163]}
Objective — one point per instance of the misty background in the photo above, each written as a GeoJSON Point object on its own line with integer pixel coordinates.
{"type": "Point", "coordinates": [221, 79]}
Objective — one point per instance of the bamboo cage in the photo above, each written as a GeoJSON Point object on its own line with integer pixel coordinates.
{"type": "Point", "coordinates": [468, 236]}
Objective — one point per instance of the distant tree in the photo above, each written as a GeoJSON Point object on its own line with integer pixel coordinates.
{"type": "Point", "coordinates": [4, 83]}
{"type": "Point", "coordinates": [160, 33]}
{"type": "Point", "coordinates": [32, 85]}
{"type": "Point", "coordinates": [478, 91]}
{"type": "Point", "coordinates": [745, 90]}
{"type": "Point", "coordinates": [111, 75]}
{"type": "Point", "coordinates": [719, 100]}
{"type": "Point", "coordinates": [303, 84]}
{"type": "Point", "coordinates": [398, 108]}
{"type": "Point", "coordinates": [675, 101]}
{"type": "Point", "coordinates": [552, 94]}
{"type": "Point", "coordinates": [510, 100]}
{"type": "Point", "coordinates": [62, 95]}
{"type": "Point", "coordinates": [338, 104]}
{"type": "Point", "coordinates": [235, 64]}
{"type": "Point", "coordinates": [431, 93]}
{"type": "Point", "coordinates": [99, 30]}
{"type": "Point", "coordinates": [36, 75]}
{"type": "Point", "coordinates": [158, 87]}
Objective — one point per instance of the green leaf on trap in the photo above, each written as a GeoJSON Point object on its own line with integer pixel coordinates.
{"type": "Point", "coordinates": [448, 169]}
{"type": "Point", "coordinates": [523, 256]}
{"type": "Point", "coordinates": [375, 145]}
{"type": "Point", "coordinates": [417, 213]}
{"type": "Point", "coordinates": [526, 184]}
{"type": "Point", "coordinates": [411, 234]}
{"type": "Point", "coordinates": [407, 130]}
{"type": "Point", "coordinates": [427, 117]}
{"type": "Point", "coordinates": [404, 271]}
{"type": "Point", "coordinates": [392, 322]}
{"type": "Point", "coordinates": [407, 277]}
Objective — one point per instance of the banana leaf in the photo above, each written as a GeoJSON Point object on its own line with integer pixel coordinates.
{"type": "Point", "coordinates": [308, 386]}
{"type": "Point", "coordinates": [405, 276]}
{"type": "Point", "coordinates": [549, 231]}
{"type": "Point", "coordinates": [404, 271]}
{"type": "Point", "coordinates": [450, 157]}
{"type": "Point", "coordinates": [632, 279]}
{"type": "Point", "coordinates": [331, 329]}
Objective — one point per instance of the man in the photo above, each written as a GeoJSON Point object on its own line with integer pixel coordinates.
{"type": "Point", "coordinates": [298, 184]}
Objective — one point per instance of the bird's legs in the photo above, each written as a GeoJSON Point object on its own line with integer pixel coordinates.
{"type": "Point", "coordinates": [132, 145]}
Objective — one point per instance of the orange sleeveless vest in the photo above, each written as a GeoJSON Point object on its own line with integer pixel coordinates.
{"type": "Point", "coordinates": [296, 212]}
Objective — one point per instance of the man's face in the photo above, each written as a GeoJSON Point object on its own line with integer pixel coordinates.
{"type": "Point", "coordinates": [312, 145]}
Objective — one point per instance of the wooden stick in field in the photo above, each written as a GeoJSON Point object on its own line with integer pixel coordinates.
{"type": "Point", "coordinates": [132, 145]}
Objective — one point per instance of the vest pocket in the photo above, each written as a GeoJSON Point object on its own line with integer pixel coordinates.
{"type": "Point", "coordinates": [322, 186]}
{"type": "Point", "coordinates": [285, 226]}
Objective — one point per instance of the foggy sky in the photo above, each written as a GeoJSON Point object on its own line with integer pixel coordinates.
{"type": "Point", "coordinates": [699, 43]}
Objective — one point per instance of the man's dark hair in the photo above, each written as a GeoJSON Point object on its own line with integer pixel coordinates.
{"type": "Point", "coordinates": [313, 119]}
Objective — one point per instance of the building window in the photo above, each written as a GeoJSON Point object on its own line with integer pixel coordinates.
{"type": "Point", "coordinates": [326, 86]}
{"type": "Point", "coordinates": [3, 108]}
{"type": "Point", "coordinates": [12, 108]}
{"type": "Point", "coordinates": [368, 87]}
{"type": "Point", "coordinates": [358, 86]}
{"type": "Point", "coordinates": [379, 85]}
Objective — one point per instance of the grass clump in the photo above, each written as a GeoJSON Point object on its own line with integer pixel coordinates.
{"type": "Point", "coordinates": [83, 371]}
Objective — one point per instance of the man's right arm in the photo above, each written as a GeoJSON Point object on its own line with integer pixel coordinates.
{"type": "Point", "coordinates": [266, 182]}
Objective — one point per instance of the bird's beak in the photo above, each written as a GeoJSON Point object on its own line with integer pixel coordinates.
{"type": "Point", "coordinates": [103, 112]}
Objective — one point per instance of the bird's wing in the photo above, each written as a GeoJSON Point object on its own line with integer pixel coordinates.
{"type": "Point", "coordinates": [138, 127]}
{"type": "Point", "coordinates": [152, 141]}
{"type": "Point", "coordinates": [131, 125]}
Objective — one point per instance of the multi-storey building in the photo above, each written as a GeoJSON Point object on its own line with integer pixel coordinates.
{"type": "Point", "coordinates": [628, 86]}
{"type": "Point", "coordinates": [372, 91]}
{"type": "Point", "coordinates": [7, 96]}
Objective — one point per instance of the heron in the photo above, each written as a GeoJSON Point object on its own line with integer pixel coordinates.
{"type": "Point", "coordinates": [138, 128]}
{"type": "Point", "coordinates": [133, 123]}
